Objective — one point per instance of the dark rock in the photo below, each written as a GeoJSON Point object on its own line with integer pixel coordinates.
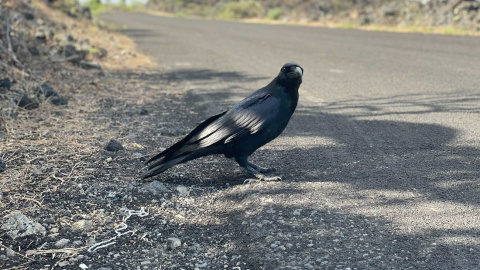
{"type": "Point", "coordinates": [57, 101]}
{"type": "Point", "coordinates": [144, 111]}
{"type": "Point", "coordinates": [41, 34]}
{"type": "Point", "coordinates": [71, 14]}
{"type": "Point", "coordinates": [70, 38]}
{"type": "Point", "coordinates": [113, 146]}
{"type": "Point", "coordinates": [29, 16]}
{"type": "Point", "coordinates": [5, 85]}
{"type": "Point", "coordinates": [2, 166]}
{"type": "Point", "coordinates": [70, 50]}
{"type": "Point", "coordinates": [49, 220]}
{"type": "Point", "coordinates": [46, 90]}
{"type": "Point", "coordinates": [101, 73]}
{"type": "Point", "coordinates": [390, 12]}
{"type": "Point", "coordinates": [28, 103]}
{"type": "Point", "coordinates": [86, 13]}
{"type": "Point", "coordinates": [34, 50]}
{"type": "Point", "coordinates": [364, 20]}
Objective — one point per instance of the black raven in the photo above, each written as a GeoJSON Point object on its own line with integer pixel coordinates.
{"type": "Point", "coordinates": [241, 130]}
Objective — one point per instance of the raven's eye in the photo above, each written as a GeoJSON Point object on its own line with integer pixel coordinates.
{"type": "Point", "coordinates": [284, 69]}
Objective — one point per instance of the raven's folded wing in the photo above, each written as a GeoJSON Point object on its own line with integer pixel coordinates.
{"type": "Point", "coordinates": [247, 117]}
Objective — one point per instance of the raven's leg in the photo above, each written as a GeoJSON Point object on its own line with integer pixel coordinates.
{"type": "Point", "coordinates": [243, 162]}
{"type": "Point", "coordinates": [261, 169]}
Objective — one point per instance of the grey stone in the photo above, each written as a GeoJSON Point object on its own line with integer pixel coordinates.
{"type": "Point", "coordinates": [201, 265]}
{"type": "Point", "coordinates": [62, 243]}
{"type": "Point", "coordinates": [183, 191]}
{"type": "Point", "coordinates": [49, 220]}
{"type": "Point", "coordinates": [82, 225]}
{"type": "Point", "coordinates": [18, 225]}
{"type": "Point", "coordinates": [137, 155]}
{"type": "Point", "coordinates": [308, 266]}
{"type": "Point", "coordinates": [77, 243]}
{"type": "Point", "coordinates": [173, 243]}
{"type": "Point", "coordinates": [91, 241]}
{"type": "Point", "coordinates": [10, 252]}
{"type": "Point", "coordinates": [155, 188]}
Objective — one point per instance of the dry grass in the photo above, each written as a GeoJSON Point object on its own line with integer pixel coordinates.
{"type": "Point", "coordinates": [52, 145]}
{"type": "Point", "coordinates": [120, 48]}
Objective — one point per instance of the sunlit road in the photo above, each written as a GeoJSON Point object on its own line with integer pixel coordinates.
{"type": "Point", "coordinates": [388, 125]}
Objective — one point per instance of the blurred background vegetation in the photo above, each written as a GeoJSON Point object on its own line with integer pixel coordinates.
{"type": "Point", "coordinates": [444, 16]}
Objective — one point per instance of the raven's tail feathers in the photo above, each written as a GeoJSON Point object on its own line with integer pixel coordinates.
{"type": "Point", "coordinates": [176, 149]}
{"type": "Point", "coordinates": [159, 167]}
{"type": "Point", "coordinates": [182, 151]}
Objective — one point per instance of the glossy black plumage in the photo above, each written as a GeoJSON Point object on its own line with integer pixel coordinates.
{"type": "Point", "coordinates": [241, 130]}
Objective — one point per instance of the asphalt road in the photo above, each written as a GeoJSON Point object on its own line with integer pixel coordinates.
{"type": "Point", "coordinates": [382, 157]}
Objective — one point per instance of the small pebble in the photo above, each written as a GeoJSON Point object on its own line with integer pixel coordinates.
{"type": "Point", "coordinates": [2, 166]}
{"type": "Point", "coordinates": [173, 243]}
{"type": "Point", "coordinates": [10, 252]}
{"type": "Point", "coordinates": [113, 146]}
{"type": "Point", "coordinates": [308, 266]}
{"type": "Point", "coordinates": [82, 225]}
{"type": "Point", "coordinates": [57, 101]}
{"type": "Point", "coordinates": [62, 243]}
{"type": "Point", "coordinates": [183, 191]}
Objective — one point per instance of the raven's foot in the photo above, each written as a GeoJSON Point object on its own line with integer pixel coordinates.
{"type": "Point", "coordinates": [261, 169]}
{"type": "Point", "coordinates": [262, 178]}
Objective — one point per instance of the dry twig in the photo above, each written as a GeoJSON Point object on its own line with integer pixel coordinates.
{"type": "Point", "coordinates": [9, 43]}
{"type": "Point", "coordinates": [29, 199]}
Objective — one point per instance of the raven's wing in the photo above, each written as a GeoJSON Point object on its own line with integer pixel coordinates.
{"type": "Point", "coordinates": [247, 117]}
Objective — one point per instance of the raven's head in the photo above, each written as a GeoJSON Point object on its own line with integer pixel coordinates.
{"type": "Point", "coordinates": [290, 75]}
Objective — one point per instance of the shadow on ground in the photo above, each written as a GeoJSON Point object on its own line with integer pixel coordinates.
{"type": "Point", "coordinates": [345, 176]}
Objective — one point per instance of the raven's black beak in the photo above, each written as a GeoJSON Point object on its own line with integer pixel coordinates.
{"type": "Point", "coordinates": [299, 70]}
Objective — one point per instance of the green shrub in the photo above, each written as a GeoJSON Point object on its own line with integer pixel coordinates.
{"type": "Point", "coordinates": [241, 10]}
{"type": "Point", "coordinates": [96, 7]}
{"type": "Point", "coordinates": [274, 14]}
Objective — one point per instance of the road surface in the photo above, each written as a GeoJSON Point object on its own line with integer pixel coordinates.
{"type": "Point", "coordinates": [381, 158]}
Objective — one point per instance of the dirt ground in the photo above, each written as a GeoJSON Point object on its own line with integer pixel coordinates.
{"type": "Point", "coordinates": [57, 171]}
{"type": "Point", "coordinates": [67, 202]}
{"type": "Point", "coordinates": [86, 202]}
